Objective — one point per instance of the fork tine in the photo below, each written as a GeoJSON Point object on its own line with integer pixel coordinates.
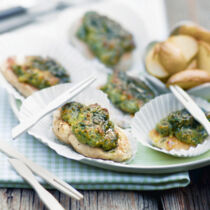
{"type": "Point", "coordinates": [186, 100]}
{"type": "Point", "coordinates": [191, 106]}
{"type": "Point", "coordinates": [57, 102]}
{"type": "Point", "coordinates": [50, 178]}
{"type": "Point", "coordinates": [184, 94]}
{"type": "Point", "coordinates": [190, 100]}
{"type": "Point", "coordinates": [76, 89]}
{"type": "Point", "coordinates": [188, 104]}
{"type": "Point", "coordinates": [178, 95]}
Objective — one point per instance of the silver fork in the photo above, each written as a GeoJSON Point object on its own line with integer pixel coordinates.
{"type": "Point", "coordinates": [191, 106]}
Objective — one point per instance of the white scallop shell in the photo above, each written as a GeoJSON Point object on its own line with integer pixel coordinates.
{"type": "Point", "coordinates": [122, 14]}
{"type": "Point", "coordinates": [43, 129]}
{"type": "Point", "coordinates": [28, 44]}
{"type": "Point", "coordinates": [149, 115]}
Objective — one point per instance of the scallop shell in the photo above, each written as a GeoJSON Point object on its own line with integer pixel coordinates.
{"type": "Point", "coordinates": [146, 119]}
{"type": "Point", "coordinates": [38, 45]}
{"type": "Point", "coordinates": [124, 119]}
{"type": "Point", "coordinates": [43, 129]}
{"type": "Point", "coordinates": [121, 14]}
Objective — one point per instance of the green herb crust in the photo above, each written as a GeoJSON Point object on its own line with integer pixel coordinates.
{"type": "Point", "coordinates": [183, 126]}
{"type": "Point", "coordinates": [126, 93]}
{"type": "Point", "coordinates": [91, 125]}
{"type": "Point", "coordinates": [40, 72]}
{"type": "Point", "coordinates": [106, 39]}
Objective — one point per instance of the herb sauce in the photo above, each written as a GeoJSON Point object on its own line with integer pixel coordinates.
{"type": "Point", "coordinates": [183, 126]}
{"type": "Point", "coordinates": [91, 125]}
{"type": "Point", "coordinates": [106, 39]}
{"type": "Point", "coordinates": [127, 93]}
{"type": "Point", "coordinates": [40, 72]}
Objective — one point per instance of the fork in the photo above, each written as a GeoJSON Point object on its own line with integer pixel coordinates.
{"type": "Point", "coordinates": [191, 106]}
{"type": "Point", "coordinates": [43, 194]}
{"type": "Point", "coordinates": [57, 102]}
{"type": "Point", "coordinates": [50, 178]}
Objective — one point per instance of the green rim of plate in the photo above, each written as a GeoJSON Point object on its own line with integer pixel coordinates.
{"type": "Point", "coordinates": [146, 160]}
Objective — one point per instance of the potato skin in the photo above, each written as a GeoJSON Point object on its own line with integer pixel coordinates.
{"type": "Point", "coordinates": [63, 132]}
{"type": "Point", "coordinates": [204, 56]}
{"type": "Point", "coordinates": [193, 64]}
{"type": "Point", "coordinates": [171, 58]}
{"type": "Point", "coordinates": [187, 45]}
{"type": "Point", "coordinates": [195, 31]}
{"type": "Point", "coordinates": [25, 89]}
{"type": "Point", "coordinates": [124, 63]}
{"type": "Point", "coordinates": [189, 78]}
{"type": "Point", "coordinates": [153, 64]}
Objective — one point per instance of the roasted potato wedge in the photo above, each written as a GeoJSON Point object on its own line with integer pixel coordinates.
{"type": "Point", "coordinates": [171, 57]}
{"type": "Point", "coordinates": [153, 65]}
{"type": "Point", "coordinates": [193, 64]}
{"type": "Point", "coordinates": [195, 31]}
{"type": "Point", "coordinates": [188, 45]}
{"type": "Point", "coordinates": [204, 56]}
{"type": "Point", "coordinates": [189, 78]}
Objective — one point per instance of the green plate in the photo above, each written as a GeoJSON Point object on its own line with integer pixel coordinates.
{"type": "Point", "coordinates": [146, 160]}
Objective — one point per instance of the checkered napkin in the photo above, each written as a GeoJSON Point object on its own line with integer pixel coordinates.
{"type": "Point", "coordinates": [77, 174]}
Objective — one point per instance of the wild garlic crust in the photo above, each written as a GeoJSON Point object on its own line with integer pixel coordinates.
{"type": "Point", "coordinates": [24, 88]}
{"type": "Point", "coordinates": [124, 63]}
{"type": "Point", "coordinates": [63, 132]}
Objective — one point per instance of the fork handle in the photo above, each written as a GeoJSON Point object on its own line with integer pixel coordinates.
{"type": "Point", "coordinates": [45, 196]}
{"type": "Point", "coordinates": [12, 12]}
{"type": "Point", "coordinates": [206, 125]}
{"type": "Point", "coordinates": [22, 127]}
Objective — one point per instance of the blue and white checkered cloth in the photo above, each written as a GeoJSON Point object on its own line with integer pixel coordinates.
{"type": "Point", "coordinates": [78, 175]}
